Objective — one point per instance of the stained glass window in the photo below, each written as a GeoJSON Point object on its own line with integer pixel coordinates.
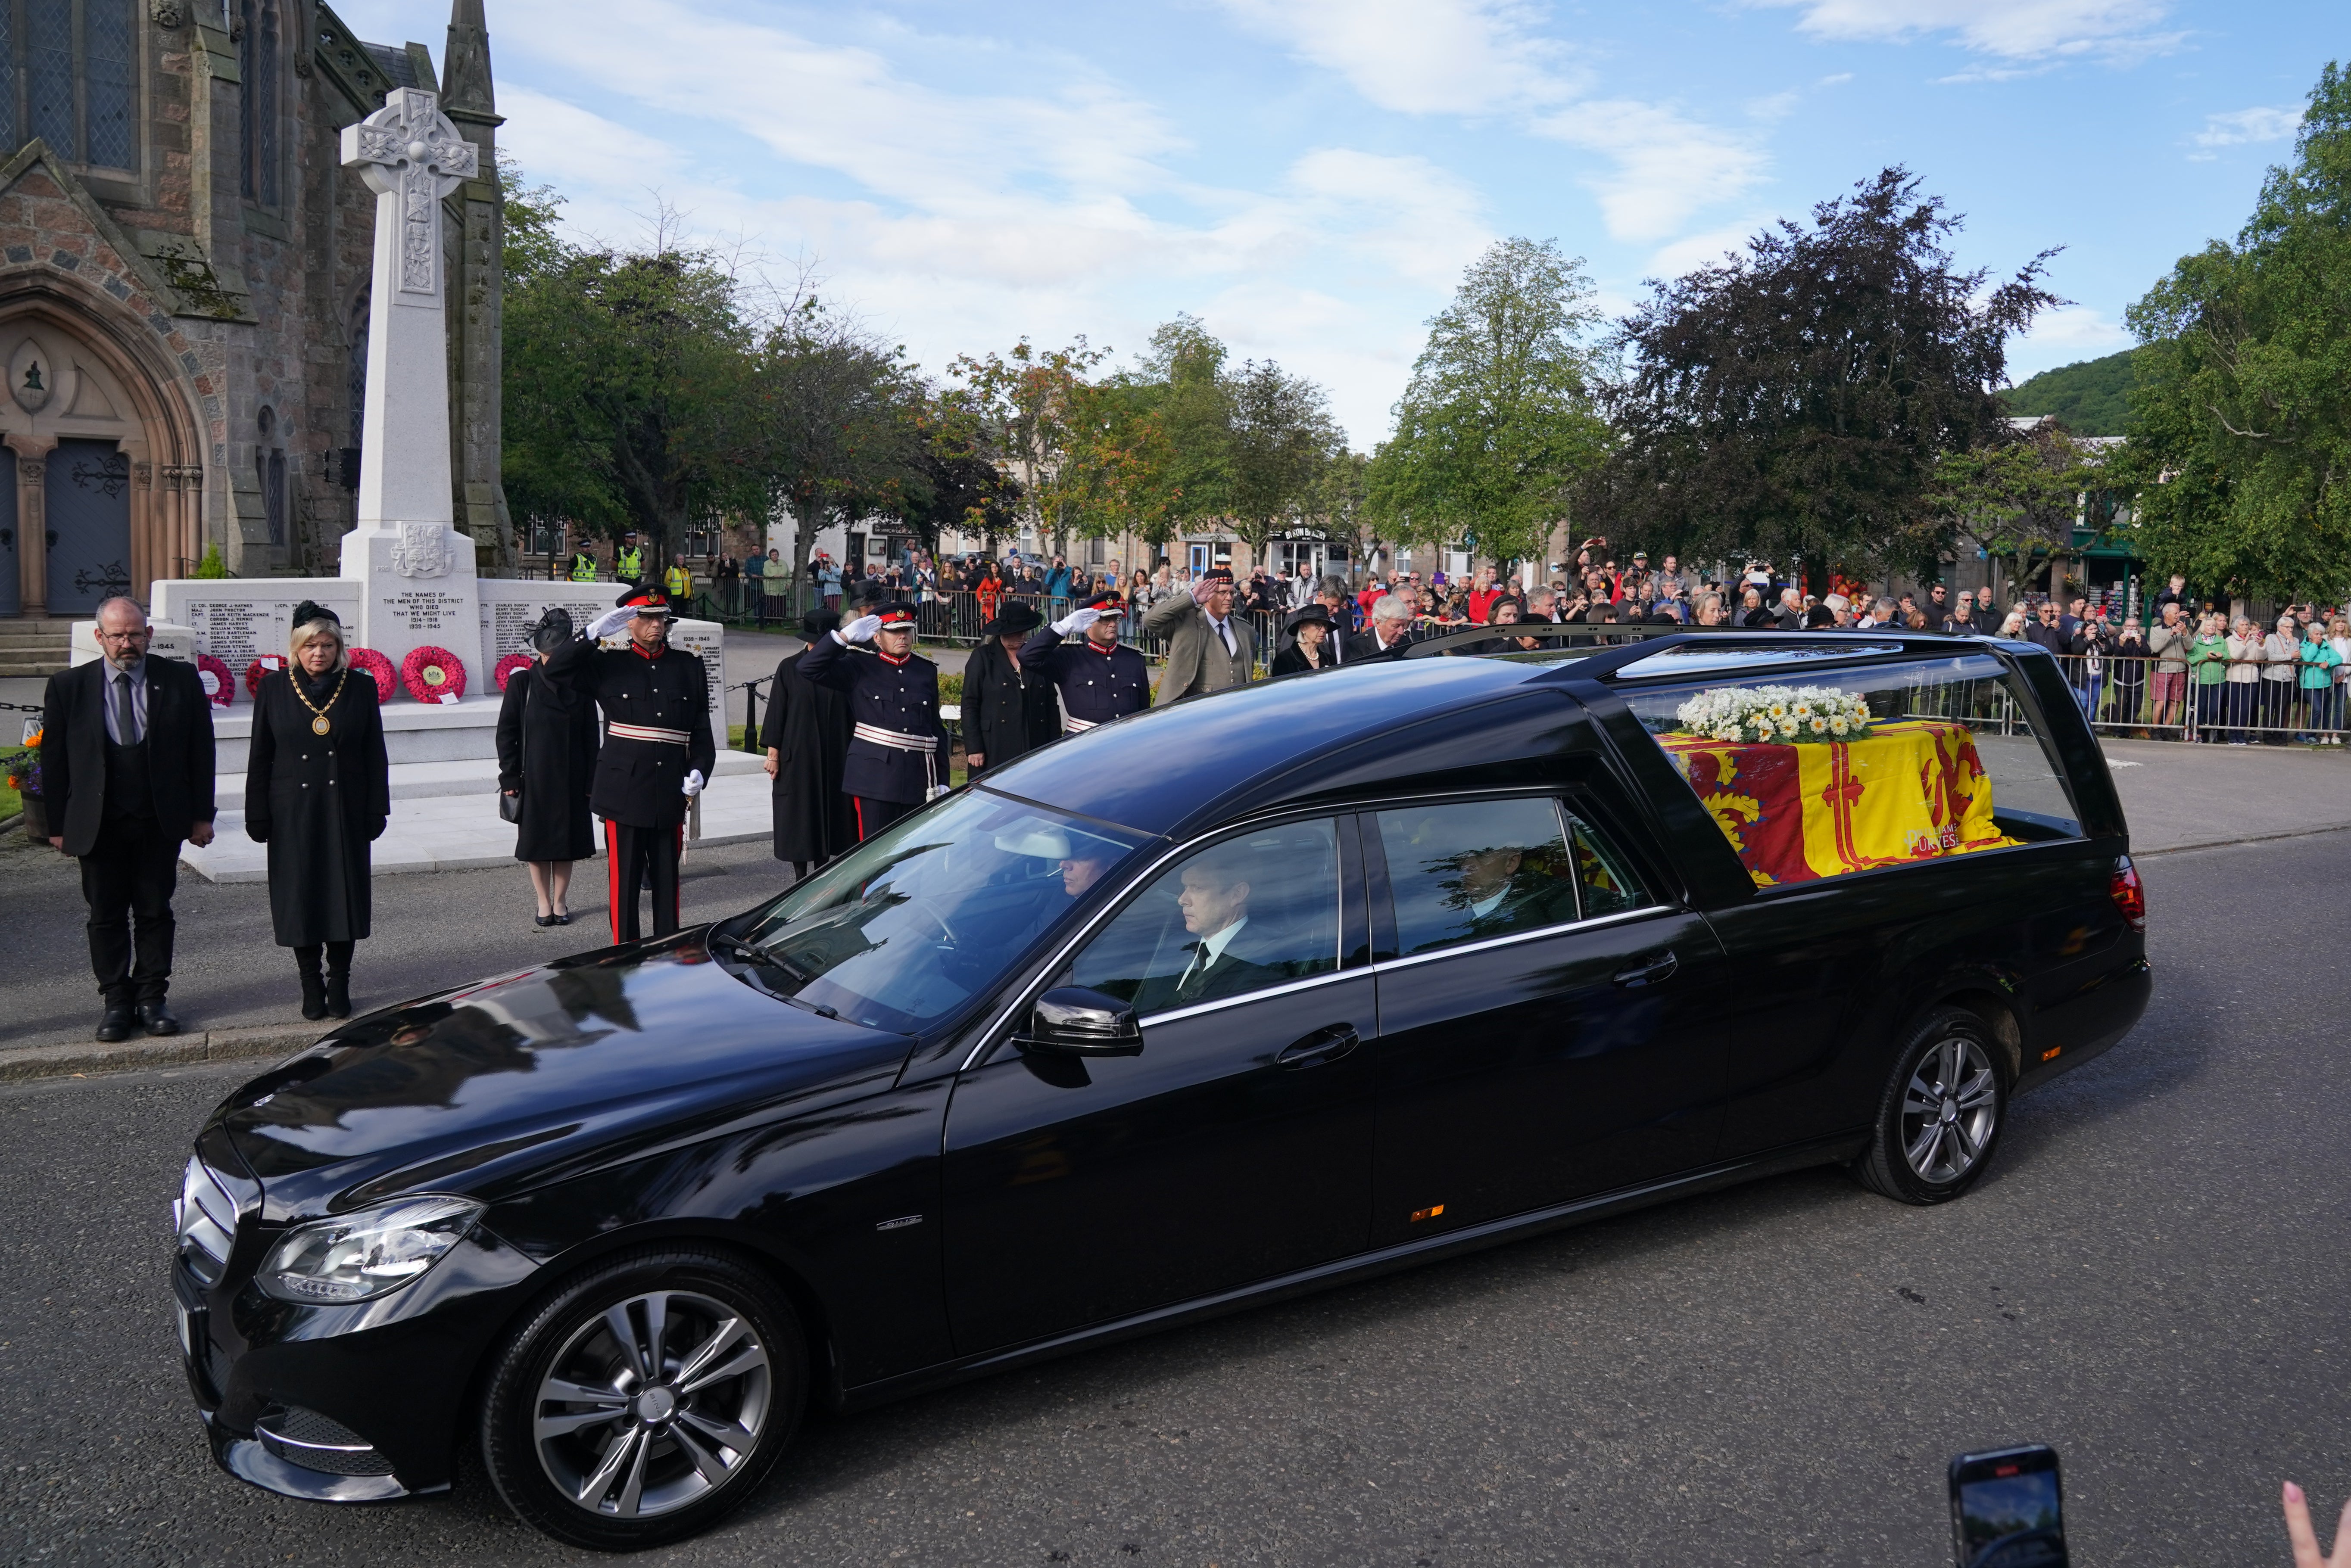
{"type": "Point", "coordinates": [256, 58]}
{"type": "Point", "coordinates": [77, 61]}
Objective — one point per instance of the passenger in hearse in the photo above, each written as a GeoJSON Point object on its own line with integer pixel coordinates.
{"type": "Point", "coordinates": [1216, 908]}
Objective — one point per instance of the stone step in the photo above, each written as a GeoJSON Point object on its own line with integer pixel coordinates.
{"type": "Point", "coordinates": [14, 667]}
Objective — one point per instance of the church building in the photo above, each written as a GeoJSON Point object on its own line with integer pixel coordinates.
{"type": "Point", "coordinates": [183, 291]}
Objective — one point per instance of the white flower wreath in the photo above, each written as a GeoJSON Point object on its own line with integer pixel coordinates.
{"type": "Point", "coordinates": [1786, 714]}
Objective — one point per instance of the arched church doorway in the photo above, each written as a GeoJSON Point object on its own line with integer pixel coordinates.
{"type": "Point", "coordinates": [89, 505]}
{"type": "Point", "coordinates": [98, 494]}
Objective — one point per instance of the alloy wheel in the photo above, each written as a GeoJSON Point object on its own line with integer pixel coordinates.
{"type": "Point", "coordinates": [1950, 1108]}
{"type": "Point", "coordinates": [652, 1405]}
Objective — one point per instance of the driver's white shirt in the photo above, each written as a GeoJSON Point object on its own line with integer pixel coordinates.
{"type": "Point", "coordinates": [1213, 946]}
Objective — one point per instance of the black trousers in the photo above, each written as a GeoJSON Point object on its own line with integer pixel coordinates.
{"type": "Point", "coordinates": [127, 880]}
{"type": "Point", "coordinates": [874, 815]}
{"type": "Point", "coordinates": [632, 855]}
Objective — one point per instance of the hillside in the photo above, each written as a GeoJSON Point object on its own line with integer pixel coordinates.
{"type": "Point", "coordinates": [2092, 397]}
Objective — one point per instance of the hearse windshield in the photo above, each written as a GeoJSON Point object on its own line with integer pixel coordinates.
{"type": "Point", "coordinates": [911, 923]}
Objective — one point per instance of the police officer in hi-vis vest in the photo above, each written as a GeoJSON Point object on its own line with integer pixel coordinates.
{"type": "Point", "coordinates": [657, 752]}
{"type": "Point", "coordinates": [898, 749]}
{"type": "Point", "coordinates": [1101, 678]}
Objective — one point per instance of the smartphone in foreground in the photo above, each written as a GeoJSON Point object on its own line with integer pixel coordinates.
{"type": "Point", "coordinates": [2007, 1511]}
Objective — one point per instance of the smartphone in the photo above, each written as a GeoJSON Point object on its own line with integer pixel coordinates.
{"type": "Point", "coordinates": [2007, 1511]}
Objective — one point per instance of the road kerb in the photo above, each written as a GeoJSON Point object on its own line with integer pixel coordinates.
{"type": "Point", "coordinates": [147, 1054]}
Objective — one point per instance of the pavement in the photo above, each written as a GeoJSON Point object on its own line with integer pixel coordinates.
{"type": "Point", "coordinates": [2151, 1278]}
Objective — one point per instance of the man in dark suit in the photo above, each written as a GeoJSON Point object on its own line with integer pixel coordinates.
{"type": "Point", "coordinates": [1389, 634]}
{"type": "Point", "coordinates": [127, 769]}
{"type": "Point", "coordinates": [1501, 893]}
{"type": "Point", "coordinates": [1216, 906]}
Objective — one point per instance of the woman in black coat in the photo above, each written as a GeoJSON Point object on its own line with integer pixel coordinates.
{"type": "Point", "coordinates": [806, 735]}
{"type": "Point", "coordinates": [547, 760]}
{"type": "Point", "coordinates": [1308, 646]}
{"type": "Point", "coordinates": [318, 791]}
{"type": "Point", "coordinates": [1005, 715]}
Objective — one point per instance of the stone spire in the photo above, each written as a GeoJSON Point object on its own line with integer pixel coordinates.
{"type": "Point", "coordinates": [465, 89]}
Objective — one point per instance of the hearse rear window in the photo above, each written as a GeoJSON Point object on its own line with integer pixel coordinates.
{"type": "Point", "coordinates": [1813, 774]}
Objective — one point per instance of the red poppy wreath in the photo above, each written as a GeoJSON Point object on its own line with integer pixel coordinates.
{"type": "Point", "coordinates": [259, 668]}
{"type": "Point", "coordinates": [433, 675]}
{"type": "Point", "coordinates": [220, 686]}
{"type": "Point", "coordinates": [378, 667]}
{"type": "Point", "coordinates": [507, 666]}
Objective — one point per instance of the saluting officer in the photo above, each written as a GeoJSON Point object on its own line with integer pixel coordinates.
{"type": "Point", "coordinates": [1101, 678]}
{"type": "Point", "coordinates": [897, 747]}
{"type": "Point", "coordinates": [657, 751]}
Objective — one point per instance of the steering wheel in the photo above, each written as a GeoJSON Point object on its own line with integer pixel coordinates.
{"type": "Point", "coordinates": [946, 930]}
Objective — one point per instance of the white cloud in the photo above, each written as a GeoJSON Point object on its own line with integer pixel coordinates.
{"type": "Point", "coordinates": [2240, 126]}
{"type": "Point", "coordinates": [1666, 168]}
{"type": "Point", "coordinates": [2014, 30]}
{"type": "Point", "coordinates": [1421, 56]}
{"type": "Point", "coordinates": [1480, 57]}
{"type": "Point", "coordinates": [1695, 250]}
{"type": "Point", "coordinates": [2062, 336]}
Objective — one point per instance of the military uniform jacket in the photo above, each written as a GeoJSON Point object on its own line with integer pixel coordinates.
{"type": "Point", "coordinates": [1097, 684]}
{"type": "Point", "coordinates": [898, 748]}
{"type": "Point", "coordinates": [657, 726]}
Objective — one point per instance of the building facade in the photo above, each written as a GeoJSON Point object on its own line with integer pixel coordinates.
{"type": "Point", "coordinates": [183, 291]}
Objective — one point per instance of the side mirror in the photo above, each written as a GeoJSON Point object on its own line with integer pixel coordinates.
{"type": "Point", "coordinates": [1076, 1022]}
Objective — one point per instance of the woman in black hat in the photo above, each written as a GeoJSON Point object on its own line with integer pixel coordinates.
{"type": "Point", "coordinates": [1005, 713]}
{"type": "Point", "coordinates": [318, 791]}
{"type": "Point", "coordinates": [806, 735]}
{"type": "Point", "coordinates": [547, 760]}
{"type": "Point", "coordinates": [1308, 649]}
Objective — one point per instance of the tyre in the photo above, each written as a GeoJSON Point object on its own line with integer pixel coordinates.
{"type": "Point", "coordinates": [645, 1399]}
{"type": "Point", "coordinates": [1940, 1118]}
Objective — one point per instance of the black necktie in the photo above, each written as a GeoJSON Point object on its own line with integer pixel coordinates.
{"type": "Point", "coordinates": [1196, 973]}
{"type": "Point", "coordinates": [126, 714]}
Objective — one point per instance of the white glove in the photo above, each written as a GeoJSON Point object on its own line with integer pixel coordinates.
{"type": "Point", "coordinates": [693, 785]}
{"type": "Point", "coordinates": [862, 629]}
{"type": "Point", "coordinates": [609, 622]}
{"type": "Point", "coordinates": [1076, 621]}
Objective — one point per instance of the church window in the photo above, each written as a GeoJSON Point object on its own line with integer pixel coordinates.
{"type": "Point", "coordinates": [76, 62]}
{"type": "Point", "coordinates": [257, 105]}
{"type": "Point", "coordinates": [269, 464]}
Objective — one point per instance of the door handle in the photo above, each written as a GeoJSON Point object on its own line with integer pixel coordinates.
{"type": "Point", "coordinates": [1648, 969]}
{"type": "Point", "coordinates": [1326, 1044]}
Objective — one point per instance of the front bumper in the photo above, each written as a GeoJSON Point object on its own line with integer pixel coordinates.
{"type": "Point", "coordinates": [345, 1404]}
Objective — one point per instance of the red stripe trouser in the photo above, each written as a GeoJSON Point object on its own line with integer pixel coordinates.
{"type": "Point", "coordinates": [631, 855]}
{"type": "Point", "coordinates": [874, 815]}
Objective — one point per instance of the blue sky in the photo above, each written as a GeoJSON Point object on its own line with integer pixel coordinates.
{"type": "Point", "coordinates": [1311, 176]}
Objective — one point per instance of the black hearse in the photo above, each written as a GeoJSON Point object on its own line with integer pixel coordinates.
{"type": "Point", "coordinates": [1221, 1002]}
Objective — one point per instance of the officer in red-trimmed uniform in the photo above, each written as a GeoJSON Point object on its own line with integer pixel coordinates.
{"type": "Point", "coordinates": [1101, 678]}
{"type": "Point", "coordinates": [657, 752]}
{"type": "Point", "coordinates": [898, 748]}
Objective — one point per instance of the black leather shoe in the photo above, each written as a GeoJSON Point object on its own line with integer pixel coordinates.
{"type": "Point", "coordinates": [542, 920]}
{"type": "Point", "coordinates": [338, 994]}
{"type": "Point", "coordinates": [118, 1023]}
{"type": "Point", "coordinates": [158, 1019]}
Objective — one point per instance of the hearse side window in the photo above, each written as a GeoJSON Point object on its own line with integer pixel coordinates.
{"type": "Point", "coordinates": [1257, 909]}
{"type": "Point", "coordinates": [1814, 774]}
{"type": "Point", "coordinates": [1465, 870]}
{"type": "Point", "coordinates": [1609, 882]}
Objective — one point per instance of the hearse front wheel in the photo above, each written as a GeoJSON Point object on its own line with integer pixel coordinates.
{"type": "Point", "coordinates": [1940, 1118]}
{"type": "Point", "coordinates": [643, 1400]}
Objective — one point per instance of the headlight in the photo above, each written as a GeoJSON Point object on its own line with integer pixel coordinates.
{"type": "Point", "coordinates": [355, 1256]}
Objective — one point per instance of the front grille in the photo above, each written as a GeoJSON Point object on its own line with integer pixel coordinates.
{"type": "Point", "coordinates": [320, 1443]}
{"type": "Point", "coordinates": [204, 1219]}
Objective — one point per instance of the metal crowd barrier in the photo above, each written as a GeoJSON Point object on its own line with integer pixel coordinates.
{"type": "Point", "coordinates": [2121, 695]}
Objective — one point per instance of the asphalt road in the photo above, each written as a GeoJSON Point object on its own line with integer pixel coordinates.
{"type": "Point", "coordinates": [2153, 1279]}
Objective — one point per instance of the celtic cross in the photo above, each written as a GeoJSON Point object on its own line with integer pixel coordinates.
{"type": "Point", "coordinates": [408, 149]}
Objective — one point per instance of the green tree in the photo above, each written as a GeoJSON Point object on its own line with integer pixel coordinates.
{"type": "Point", "coordinates": [1281, 445]}
{"type": "Point", "coordinates": [2014, 500]}
{"type": "Point", "coordinates": [621, 372]}
{"type": "Point", "coordinates": [829, 422]}
{"type": "Point", "coordinates": [1022, 402]}
{"type": "Point", "coordinates": [1497, 422]}
{"type": "Point", "coordinates": [2241, 417]}
{"type": "Point", "coordinates": [1791, 403]}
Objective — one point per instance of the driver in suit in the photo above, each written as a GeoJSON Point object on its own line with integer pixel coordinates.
{"type": "Point", "coordinates": [1215, 907]}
